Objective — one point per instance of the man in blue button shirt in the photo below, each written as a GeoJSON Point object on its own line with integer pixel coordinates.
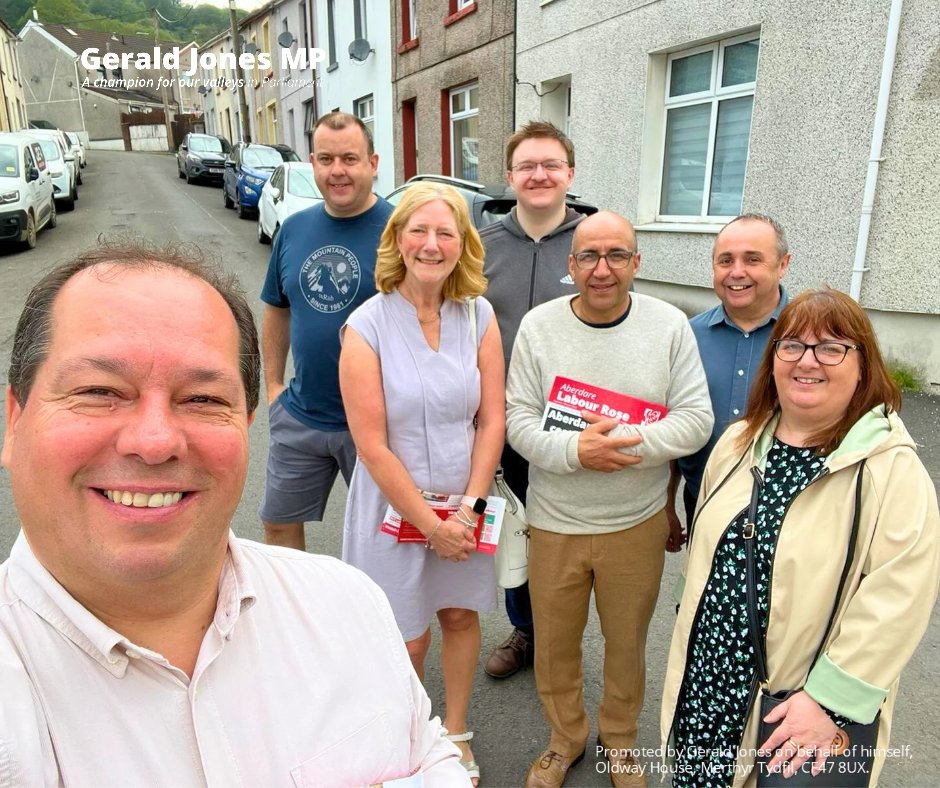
{"type": "Point", "coordinates": [749, 260]}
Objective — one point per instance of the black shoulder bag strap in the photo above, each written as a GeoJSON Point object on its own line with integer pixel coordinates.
{"type": "Point", "coordinates": [750, 535]}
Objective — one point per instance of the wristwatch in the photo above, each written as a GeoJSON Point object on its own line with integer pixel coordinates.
{"type": "Point", "coordinates": [477, 505]}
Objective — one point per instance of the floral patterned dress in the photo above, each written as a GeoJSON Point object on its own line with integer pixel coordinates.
{"type": "Point", "coordinates": [713, 701]}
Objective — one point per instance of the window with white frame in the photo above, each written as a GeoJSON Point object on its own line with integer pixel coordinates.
{"type": "Point", "coordinates": [412, 19]}
{"type": "Point", "coordinates": [708, 102]}
{"type": "Point", "coordinates": [556, 102]}
{"type": "Point", "coordinates": [364, 109]}
{"type": "Point", "coordinates": [464, 132]}
{"type": "Point", "coordinates": [461, 4]}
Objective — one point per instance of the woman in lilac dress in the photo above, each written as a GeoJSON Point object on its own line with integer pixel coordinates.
{"type": "Point", "coordinates": [425, 404]}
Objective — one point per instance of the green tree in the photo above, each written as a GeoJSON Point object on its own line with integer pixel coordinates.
{"type": "Point", "coordinates": [66, 12]}
{"type": "Point", "coordinates": [121, 10]}
{"type": "Point", "coordinates": [15, 13]}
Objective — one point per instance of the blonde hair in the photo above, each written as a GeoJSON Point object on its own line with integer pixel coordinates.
{"type": "Point", "coordinates": [467, 277]}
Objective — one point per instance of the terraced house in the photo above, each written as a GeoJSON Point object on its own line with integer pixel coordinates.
{"type": "Point", "coordinates": [822, 115]}
{"type": "Point", "coordinates": [12, 102]}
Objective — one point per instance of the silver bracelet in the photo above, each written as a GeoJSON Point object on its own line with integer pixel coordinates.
{"type": "Point", "coordinates": [463, 519]}
{"type": "Point", "coordinates": [427, 539]}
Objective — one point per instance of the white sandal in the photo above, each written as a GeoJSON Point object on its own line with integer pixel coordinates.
{"type": "Point", "coordinates": [472, 767]}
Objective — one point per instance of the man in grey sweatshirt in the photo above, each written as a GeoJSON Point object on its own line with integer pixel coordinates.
{"type": "Point", "coordinates": [527, 265]}
{"type": "Point", "coordinates": [597, 496]}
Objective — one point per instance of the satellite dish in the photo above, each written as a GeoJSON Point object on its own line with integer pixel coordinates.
{"type": "Point", "coordinates": [359, 49]}
{"type": "Point", "coordinates": [286, 39]}
{"type": "Point", "coordinates": [203, 90]}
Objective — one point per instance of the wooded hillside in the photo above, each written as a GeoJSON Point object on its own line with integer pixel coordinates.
{"type": "Point", "coordinates": [179, 23]}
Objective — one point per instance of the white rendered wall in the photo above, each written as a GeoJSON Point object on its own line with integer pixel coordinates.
{"type": "Point", "coordinates": [352, 80]}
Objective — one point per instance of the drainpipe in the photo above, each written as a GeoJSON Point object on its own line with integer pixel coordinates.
{"type": "Point", "coordinates": [874, 158]}
{"type": "Point", "coordinates": [515, 64]}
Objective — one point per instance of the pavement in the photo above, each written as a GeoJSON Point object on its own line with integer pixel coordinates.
{"type": "Point", "coordinates": [141, 193]}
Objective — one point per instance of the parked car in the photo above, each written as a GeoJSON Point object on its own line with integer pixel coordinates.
{"type": "Point", "coordinates": [202, 156]}
{"type": "Point", "coordinates": [78, 148]}
{"type": "Point", "coordinates": [64, 186]}
{"type": "Point", "coordinates": [487, 203]}
{"type": "Point", "coordinates": [287, 152]}
{"type": "Point", "coordinates": [66, 147]}
{"type": "Point", "coordinates": [26, 202]}
{"type": "Point", "coordinates": [290, 189]}
{"type": "Point", "coordinates": [247, 169]}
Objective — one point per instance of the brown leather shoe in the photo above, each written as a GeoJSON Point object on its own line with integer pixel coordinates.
{"type": "Point", "coordinates": [550, 769]}
{"type": "Point", "coordinates": [623, 768]}
{"type": "Point", "coordinates": [511, 656]}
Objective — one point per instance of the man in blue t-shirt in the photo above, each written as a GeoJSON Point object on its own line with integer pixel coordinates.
{"type": "Point", "coordinates": [749, 260]}
{"type": "Point", "coordinates": [322, 267]}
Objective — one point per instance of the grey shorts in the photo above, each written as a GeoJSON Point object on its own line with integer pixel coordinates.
{"type": "Point", "coordinates": [302, 466]}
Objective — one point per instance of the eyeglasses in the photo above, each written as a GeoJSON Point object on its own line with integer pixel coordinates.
{"type": "Point", "coordinates": [549, 165]}
{"type": "Point", "coordinates": [618, 258]}
{"type": "Point", "coordinates": [831, 354]}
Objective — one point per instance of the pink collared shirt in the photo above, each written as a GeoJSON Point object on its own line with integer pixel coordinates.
{"type": "Point", "coordinates": [302, 680]}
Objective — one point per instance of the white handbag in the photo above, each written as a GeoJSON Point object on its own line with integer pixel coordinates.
{"type": "Point", "coordinates": [512, 552]}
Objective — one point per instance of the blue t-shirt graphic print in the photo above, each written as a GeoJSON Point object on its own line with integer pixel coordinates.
{"type": "Point", "coordinates": [322, 267]}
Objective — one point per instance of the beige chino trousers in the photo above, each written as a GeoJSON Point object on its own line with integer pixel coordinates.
{"type": "Point", "coordinates": [624, 569]}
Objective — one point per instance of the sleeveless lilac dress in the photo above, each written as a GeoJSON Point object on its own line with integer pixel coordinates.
{"type": "Point", "coordinates": [430, 401]}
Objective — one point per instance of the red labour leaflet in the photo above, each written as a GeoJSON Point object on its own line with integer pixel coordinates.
{"type": "Point", "coordinates": [489, 524]}
{"type": "Point", "coordinates": [569, 397]}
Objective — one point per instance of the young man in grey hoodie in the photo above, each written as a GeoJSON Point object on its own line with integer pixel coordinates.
{"type": "Point", "coordinates": [527, 265]}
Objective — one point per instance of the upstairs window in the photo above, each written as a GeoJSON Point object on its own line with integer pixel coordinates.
{"type": "Point", "coordinates": [708, 103]}
{"type": "Point", "coordinates": [464, 131]}
{"type": "Point", "coordinates": [331, 34]}
{"type": "Point", "coordinates": [364, 109]}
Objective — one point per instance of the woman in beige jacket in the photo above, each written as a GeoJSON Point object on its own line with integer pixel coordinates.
{"type": "Point", "coordinates": [822, 431]}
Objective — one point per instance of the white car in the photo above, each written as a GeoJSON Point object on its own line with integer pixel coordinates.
{"type": "Point", "coordinates": [70, 156]}
{"type": "Point", "coordinates": [290, 188]}
{"type": "Point", "coordinates": [26, 203]}
{"type": "Point", "coordinates": [78, 149]}
{"type": "Point", "coordinates": [61, 166]}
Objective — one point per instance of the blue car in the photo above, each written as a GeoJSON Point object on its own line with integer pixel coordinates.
{"type": "Point", "coordinates": [247, 169]}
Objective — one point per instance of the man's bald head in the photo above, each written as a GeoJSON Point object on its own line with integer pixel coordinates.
{"type": "Point", "coordinates": [602, 264]}
{"type": "Point", "coordinates": [606, 223]}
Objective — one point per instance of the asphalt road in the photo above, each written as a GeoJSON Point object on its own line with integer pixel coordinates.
{"type": "Point", "coordinates": [140, 194]}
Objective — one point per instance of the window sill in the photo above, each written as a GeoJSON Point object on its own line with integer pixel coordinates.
{"type": "Point", "coordinates": [455, 17]}
{"type": "Point", "coordinates": [680, 227]}
{"type": "Point", "coordinates": [332, 67]}
{"type": "Point", "coordinates": [407, 46]}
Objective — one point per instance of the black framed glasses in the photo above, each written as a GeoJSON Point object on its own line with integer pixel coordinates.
{"type": "Point", "coordinates": [618, 258]}
{"type": "Point", "coordinates": [830, 354]}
